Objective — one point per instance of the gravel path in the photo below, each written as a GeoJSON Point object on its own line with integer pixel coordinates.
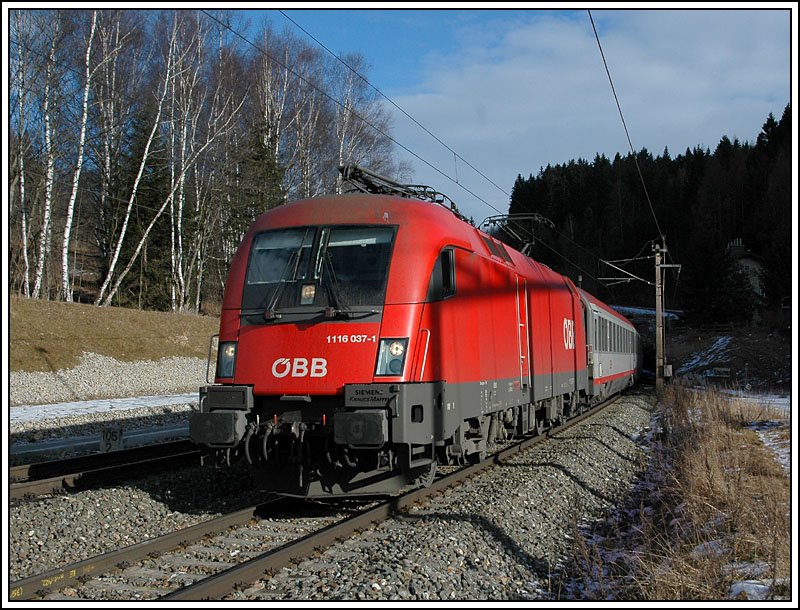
{"type": "Point", "coordinates": [102, 377]}
{"type": "Point", "coordinates": [99, 377]}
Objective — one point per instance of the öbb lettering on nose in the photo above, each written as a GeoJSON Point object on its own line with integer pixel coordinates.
{"type": "Point", "coordinates": [300, 367]}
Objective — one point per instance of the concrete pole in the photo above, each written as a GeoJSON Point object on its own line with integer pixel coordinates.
{"type": "Point", "coordinates": [659, 325]}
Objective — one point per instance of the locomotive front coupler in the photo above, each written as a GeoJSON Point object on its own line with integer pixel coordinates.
{"type": "Point", "coordinates": [222, 419]}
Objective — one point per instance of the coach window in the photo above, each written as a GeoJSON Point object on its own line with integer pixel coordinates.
{"type": "Point", "coordinates": [443, 278]}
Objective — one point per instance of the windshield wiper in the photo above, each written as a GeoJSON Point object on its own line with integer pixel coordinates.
{"type": "Point", "coordinates": [350, 313]}
{"type": "Point", "coordinates": [269, 312]}
{"type": "Point", "coordinates": [332, 285]}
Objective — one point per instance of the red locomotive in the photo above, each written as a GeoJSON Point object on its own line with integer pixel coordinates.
{"type": "Point", "coordinates": [365, 338]}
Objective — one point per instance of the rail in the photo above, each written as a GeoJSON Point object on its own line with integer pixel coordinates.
{"type": "Point", "coordinates": [217, 585]}
{"type": "Point", "coordinates": [90, 470]}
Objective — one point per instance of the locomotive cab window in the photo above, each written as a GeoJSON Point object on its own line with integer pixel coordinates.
{"type": "Point", "coordinates": [337, 266]}
{"type": "Point", "coordinates": [442, 284]}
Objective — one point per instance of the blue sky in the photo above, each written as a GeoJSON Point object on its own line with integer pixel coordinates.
{"type": "Point", "coordinates": [511, 91]}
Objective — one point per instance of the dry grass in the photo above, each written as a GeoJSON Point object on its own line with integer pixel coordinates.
{"type": "Point", "coordinates": [49, 335]}
{"type": "Point", "coordinates": [714, 510]}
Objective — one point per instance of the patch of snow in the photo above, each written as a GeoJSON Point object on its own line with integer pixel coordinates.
{"type": "Point", "coordinates": [754, 589]}
{"type": "Point", "coordinates": [781, 447]}
{"type": "Point", "coordinates": [643, 311]}
{"type": "Point", "coordinates": [775, 401]}
{"type": "Point", "coordinates": [709, 549]}
{"type": "Point", "coordinates": [716, 353]}
{"type": "Point", "coordinates": [746, 568]}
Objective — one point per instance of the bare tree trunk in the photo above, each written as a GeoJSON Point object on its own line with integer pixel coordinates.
{"type": "Point", "coordinates": [66, 287]}
{"type": "Point", "coordinates": [44, 240]}
{"type": "Point", "coordinates": [22, 57]}
{"type": "Point", "coordinates": [113, 265]}
{"type": "Point", "coordinates": [344, 117]}
{"type": "Point", "coordinates": [216, 131]}
{"type": "Point", "coordinates": [26, 288]}
{"type": "Point", "coordinates": [173, 264]}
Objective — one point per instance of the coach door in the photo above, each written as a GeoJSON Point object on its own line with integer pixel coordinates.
{"type": "Point", "coordinates": [523, 334]}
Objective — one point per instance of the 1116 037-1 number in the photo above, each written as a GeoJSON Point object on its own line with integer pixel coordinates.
{"type": "Point", "coordinates": [351, 339]}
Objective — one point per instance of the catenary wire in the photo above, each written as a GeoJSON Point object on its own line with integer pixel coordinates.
{"type": "Point", "coordinates": [625, 126]}
{"type": "Point", "coordinates": [393, 103]}
{"type": "Point", "coordinates": [338, 103]}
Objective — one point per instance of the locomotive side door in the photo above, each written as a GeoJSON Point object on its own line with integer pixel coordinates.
{"type": "Point", "coordinates": [523, 334]}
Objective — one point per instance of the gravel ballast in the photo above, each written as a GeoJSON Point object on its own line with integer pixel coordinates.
{"type": "Point", "coordinates": [497, 537]}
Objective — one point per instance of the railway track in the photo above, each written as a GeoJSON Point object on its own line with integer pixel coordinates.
{"type": "Point", "coordinates": [186, 557]}
{"type": "Point", "coordinates": [85, 471]}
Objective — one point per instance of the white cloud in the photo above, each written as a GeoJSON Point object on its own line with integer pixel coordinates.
{"type": "Point", "coordinates": [517, 95]}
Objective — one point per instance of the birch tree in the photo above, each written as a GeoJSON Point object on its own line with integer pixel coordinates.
{"type": "Point", "coordinates": [104, 295]}
{"type": "Point", "coordinates": [21, 83]}
{"type": "Point", "coordinates": [117, 97]}
{"type": "Point", "coordinates": [48, 108]}
{"type": "Point", "coordinates": [66, 286]}
{"type": "Point", "coordinates": [272, 90]}
{"type": "Point", "coordinates": [308, 102]}
{"type": "Point", "coordinates": [219, 119]}
{"type": "Point", "coordinates": [360, 121]}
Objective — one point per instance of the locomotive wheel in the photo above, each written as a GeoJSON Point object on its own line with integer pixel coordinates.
{"type": "Point", "coordinates": [539, 429]}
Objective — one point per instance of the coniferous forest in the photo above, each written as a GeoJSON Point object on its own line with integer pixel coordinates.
{"type": "Point", "coordinates": [703, 201]}
{"type": "Point", "coordinates": [143, 144]}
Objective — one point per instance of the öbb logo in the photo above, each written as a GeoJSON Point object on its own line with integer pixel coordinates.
{"type": "Point", "coordinates": [299, 367]}
{"type": "Point", "coordinates": [569, 334]}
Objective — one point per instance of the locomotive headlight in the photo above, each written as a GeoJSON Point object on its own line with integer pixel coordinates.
{"type": "Point", "coordinates": [391, 357]}
{"type": "Point", "coordinates": [226, 360]}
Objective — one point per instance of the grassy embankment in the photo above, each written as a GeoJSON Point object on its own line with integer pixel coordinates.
{"type": "Point", "coordinates": [50, 336]}
{"type": "Point", "coordinates": [712, 510]}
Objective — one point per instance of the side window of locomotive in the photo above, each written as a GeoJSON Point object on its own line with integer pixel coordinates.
{"type": "Point", "coordinates": [442, 284]}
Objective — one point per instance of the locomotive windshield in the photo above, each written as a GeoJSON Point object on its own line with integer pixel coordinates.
{"type": "Point", "coordinates": [343, 267]}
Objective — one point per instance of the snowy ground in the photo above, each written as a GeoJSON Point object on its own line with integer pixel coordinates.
{"type": "Point", "coordinates": [643, 311]}
{"type": "Point", "coordinates": [716, 353]}
{"type": "Point", "coordinates": [754, 584]}
{"type": "Point", "coordinates": [767, 431]}
{"type": "Point", "coordinates": [26, 413]}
